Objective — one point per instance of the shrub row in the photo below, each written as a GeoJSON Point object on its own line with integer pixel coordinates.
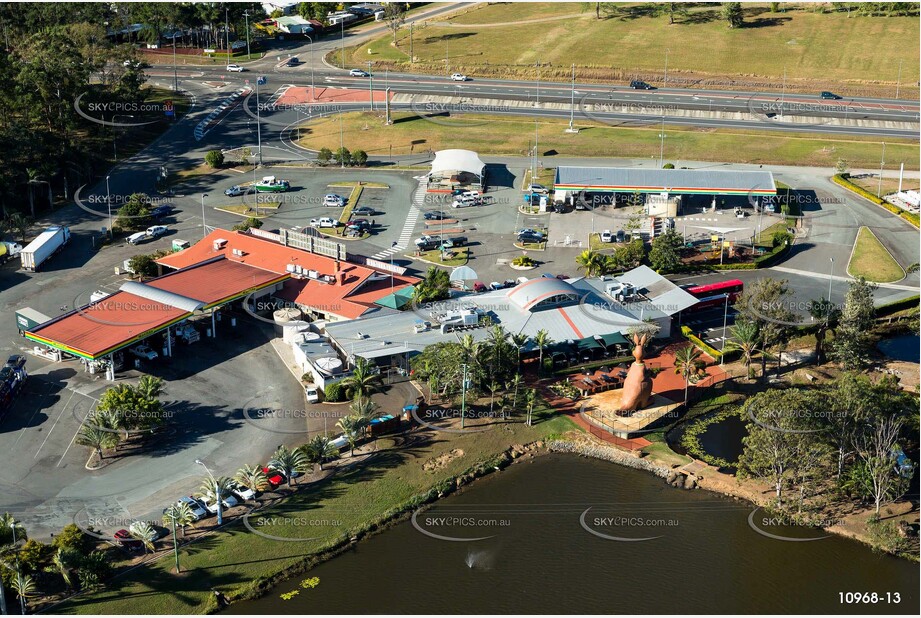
{"type": "Point", "coordinates": [704, 347]}
{"type": "Point", "coordinates": [842, 179]}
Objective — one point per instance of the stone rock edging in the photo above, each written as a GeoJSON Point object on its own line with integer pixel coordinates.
{"type": "Point", "coordinates": [607, 453]}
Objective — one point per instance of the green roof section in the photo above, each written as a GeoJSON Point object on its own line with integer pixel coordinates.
{"type": "Point", "coordinates": [398, 299]}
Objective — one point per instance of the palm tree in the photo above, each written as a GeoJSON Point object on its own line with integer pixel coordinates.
{"type": "Point", "coordinates": [352, 427]}
{"type": "Point", "coordinates": [362, 381]}
{"type": "Point", "coordinates": [11, 532]}
{"type": "Point", "coordinates": [97, 438]}
{"type": "Point", "coordinates": [519, 340]}
{"type": "Point", "coordinates": [541, 340]}
{"type": "Point", "coordinates": [320, 449]}
{"type": "Point", "coordinates": [143, 532]}
{"type": "Point", "coordinates": [364, 407]}
{"type": "Point", "coordinates": [25, 588]}
{"type": "Point", "coordinates": [592, 262]}
{"type": "Point", "coordinates": [826, 315]}
{"type": "Point", "coordinates": [530, 399]}
{"type": "Point", "coordinates": [19, 223]}
{"type": "Point", "coordinates": [33, 177]}
{"type": "Point", "coordinates": [61, 561]}
{"type": "Point", "coordinates": [498, 343]}
{"type": "Point", "coordinates": [288, 462]}
{"type": "Point", "coordinates": [252, 477]}
{"type": "Point", "coordinates": [179, 514]}
{"type": "Point", "coordinates": [513, 385]}
{"type": "Point", "coordinates": [687, 363]}
{"type": "Point", "coordinates": [494, 387]}
{"type": "Point", "coordinates": [149, 387]}
{"type": "Point", "coordinates": [744, 336]}
{"type": "Point", "coordinates": [216, 488]}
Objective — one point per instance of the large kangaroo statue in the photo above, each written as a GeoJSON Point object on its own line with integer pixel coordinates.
{"type": "Point", "coordinates": [637, 393]}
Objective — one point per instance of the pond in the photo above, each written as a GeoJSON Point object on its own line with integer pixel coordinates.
{"type": "Point", "coordinates": [903, 348]}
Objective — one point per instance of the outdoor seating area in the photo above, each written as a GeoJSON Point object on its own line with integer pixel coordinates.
{"type": "Point", "coordinates": [598, 380]}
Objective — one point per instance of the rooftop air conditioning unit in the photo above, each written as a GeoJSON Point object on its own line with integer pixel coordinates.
{"type": "Point", "coordinates": [291, 268]}
{"type": "Point", "coordinates": [219, 244]}
{"type": "Point", "coordinates": [238, 252]}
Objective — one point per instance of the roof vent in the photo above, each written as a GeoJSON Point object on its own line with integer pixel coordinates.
{"type": "Point", "coordinates": [220, 243]}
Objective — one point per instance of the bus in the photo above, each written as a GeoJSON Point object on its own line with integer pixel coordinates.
{"type": "Point", "coordinates": [714, 294]}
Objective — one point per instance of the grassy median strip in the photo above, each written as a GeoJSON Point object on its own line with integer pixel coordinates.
{"type": "Point", "coordinates": [351, 203]}
{"type": "Point", "coordinates": [360, 183]}
{"type": "Point", "coordinates": [459, 257]}
{"type": "Point", "coordinates": [872, 261]}
{"type": "Point", "coordinates": [512, 136]}
{"type": "Point", "coordinates": [349, 503]}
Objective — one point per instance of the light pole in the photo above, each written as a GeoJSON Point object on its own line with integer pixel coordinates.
{"type": "Point", "coordinates": [898, 81]}
{"type": "Point", "coordinates": [464, 395]}
{"type": "Point", "coordinates": [175, 74]}
{"type": "Point", "coordinates": [662, 144]}
{"type": "Point", "coordinates": [204, 231]}
{"type": "Point", "coordinates": [342, 45]}
{"type": "Point", "coordinates": [259, 81]}
{"type": "Point", "coordinates": [783, 91]}
{"type": "Point", "coordinates": [410, 42]}
{"type": "Point", "coordinates": [572, 98]}
{"type": "Point", "coordinates": [341, 143]}
{"type": "Point", "coordinates": [227, 31]}
{"type": "Point", "coordinates": [313, 87]}
{"type": "Point", "coordinates": [393, 247]}
{"type": "Point", "coordinates": [217, 493]}
{"type": "Point", "coordinates": [537, 104]}
{"type": "Point", "coordinates": [723, 344]}
{"type": "Point", "coordinates": [665, 80]}
{"type": "Point", "coordinates": [246, 16]}
{"type": "Point", "coordinates": [109, 204]}
{"type": "Point", "coordinates": [831, 274]}
{"type": "Point", "coordinates": [879, 188]}
{"type": "Point", "coordinates": [370, 86]}
{"type": "Point", "coordinates": [115, 134]}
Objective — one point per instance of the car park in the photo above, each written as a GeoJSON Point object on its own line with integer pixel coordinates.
{"type": "Point", "coordinates": [458, 77]}
{"type": "Point", "coordinates": [156, 231]}
{"type": "Point", "coordinates": [829, 95]}
{"type": "Point", "coordinates": [324, 222]}
{"type": "Point", "coordinates": [434, 215]}
{"type": "Point", "coordinates": [640, 85]}
{"type": "Point", "coordinates": [333, 201]}
{"type": "Point", "coordinates": [364, 211]}
{"type": "Point", "coordinates": [358, 73]}
{"type": "Point", "coordinates": [234, 191]}
{"type": "Point", "coordinates": [136, 238]}
{"type": "Point", "coordinates": [143, 351]}
{"type": "Point", "coordinates": [606, 236]}
{"type": "Point", "coordinates": [235, 68]}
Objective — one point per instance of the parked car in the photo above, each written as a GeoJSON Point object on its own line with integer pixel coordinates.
{"type": "Point", "coordinates": [136, 238]}
{"type": "Point", "coordinates": [527, 230]}
{"type": "Point", "coordinates": [324, 222]}
{"type": "Point", "coordinates": [427, 243]}
{"type": "Point", "coordinates": [621, 236]}
{"type": "Point", "coordinates": [198, 511]}
{"type": "Point", "coordinates": [143, 351]}
{"type": "Point", "coordinates": [457, 241]}
{"type": "Point", "coordinates": [274, 477]}
{"type": "Point", "coordinates": [536, 188]}
{"type": "Point", "coordinates": [333, 201]}
{"type": "Point", "coordinates": [293, 61]}
{"type": "Point", "coordinates": [156, 231]}
{"type": "Point", "coordinates": [234, 191]}
{"type": "Point", "coordinates": [364, 211]}
{"type": "Point", "coordinates": [479, 286]}
{"type": "Point", "coordinates": [161, 211]}
{"type": "Point", "coordinates": [358, 73]}
{"type": "Point", "coordinates": [434, 215]}
{"type": "Point", "coordinates": [459, 77]}
{"type": "Point", "coordinates": [312, 393]}
{"type": "Point", "coordinates": [241, 492]}
{"type": "Point", "coordinates": [829, 95]}
{"type": "Point", "coordinates": [16, 361]}
{"type": "Point", "coordinates": [235, 68]}
{"type": "Point", "coordinates": [607, 236]}
{"type": "Point", "coordinates": [123, 539]}
{"type": "Point", "coordinates": [640, 85]}
{"type": "Point", "coordinates": [361, 224]}
{"type": "Point", "coordinates": [227, 501]}
{"type": "Point", "coordinates": [559, 208]}
{"type": "Point", "coordinates": [531, 238]}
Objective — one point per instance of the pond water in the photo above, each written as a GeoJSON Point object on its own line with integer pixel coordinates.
{"type": "Point", "coordinates": [904, 348]}
{"type": "Point", "coordinates": [523, 542]}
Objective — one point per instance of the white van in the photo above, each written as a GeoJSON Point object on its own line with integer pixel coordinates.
{"type": "Point", "coordinates": [155, 231]}
{"type": "Point", "coordinates": [137, 237]}
{"type": "Point", "coordinates": [463, 201]}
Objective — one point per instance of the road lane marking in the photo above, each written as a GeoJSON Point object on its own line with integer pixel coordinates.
{"type": "Point", "coordinates": [63, 410]}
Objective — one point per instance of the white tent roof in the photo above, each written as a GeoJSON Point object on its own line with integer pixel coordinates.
{"type": "Point", "coordinates": [456, 160]}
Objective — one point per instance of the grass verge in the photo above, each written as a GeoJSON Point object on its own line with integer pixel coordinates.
{"type": "Point", "coordinates": [872, 261]}
{"type": "Point", "coordinates": [461, 257]}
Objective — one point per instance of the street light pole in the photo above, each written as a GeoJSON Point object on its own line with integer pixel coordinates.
{"type": "Point", "coordinates": [393, 246]}
{"type": "Point", "coordinates": [537, 104]}
{"type": "Point", "coordinates": [879, 188]}
{"type": "Point", "coordinates": [831, 274]}
{"type": "Point", "coordinates": [342, 45]}
{"type": "Point", "coordinates": [572, 98]}
{"type": "Point", "coordinates": [313, 87]}
{"type": "Point", "coordinates": [175, 74]}
{"type": "Point", "coordinates": [204, 231]}
{"type": "Point", "coordinates": [217, 493]}
{"type": "Point", "coordinates": [662, 144]}
{"type": "Point", "coordinates": [665, 80]}
{"type": "Point", "coordinates": [258, 122]}
{"type": "Point", "coordinates": [246, 16]}
{"type": "Point", "coordinates": [723, 344]}
{"type": "Point", "coordinates": [370, 86]}
{"type": "Point", "coordinates": [227, 31]}
{"type": "Point", "coordinates": [783, 91]}
{"type": "Point", "coordinates": [898, 82]}
{"type": "Point", "coordinates": [109, 204]}
{"type": "Point", "coordinates": [464, 395]}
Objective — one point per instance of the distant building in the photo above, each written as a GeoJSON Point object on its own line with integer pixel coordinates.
{"type": "Point", "coordinates": [286, 6]}
{"type": "Point", "coordinates": [294, 24]}
{"type": "Point", "coordinates": [456, 169]}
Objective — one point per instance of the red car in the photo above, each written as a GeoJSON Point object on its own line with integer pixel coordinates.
{"type": "Point", "coordinates": [124, 539]}
{"type": "Point", "coordinates": [275, 478]}
{"type": "Point", "coordinates": [479, 287]}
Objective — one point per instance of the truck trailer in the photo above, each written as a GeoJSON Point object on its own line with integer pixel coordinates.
{"type": "Point", "coordinates": [44, 246]}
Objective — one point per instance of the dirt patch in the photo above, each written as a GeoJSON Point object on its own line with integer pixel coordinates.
{"type": "Point", "coordinates": [437, 463]}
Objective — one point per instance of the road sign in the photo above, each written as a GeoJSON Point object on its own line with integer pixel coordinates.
{"type": "Point", "coordinates": [168, 108]}
{"type": "Point", "coordinates": [262, 80]}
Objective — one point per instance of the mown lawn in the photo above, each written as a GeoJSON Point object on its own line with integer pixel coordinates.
{"type": "Point", "coordinates": [872, 261]}
{"type": "Point", "coordinates": [323, 511]}
{"type": "Point", "coordinates": [495, 135]}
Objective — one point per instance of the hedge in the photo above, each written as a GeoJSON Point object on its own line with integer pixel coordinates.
{"type": "Point", "coordinates": [899, 305]}
{"type": "Point", "coordinates": [690, 336]}
{"type": "Point", "coordinates": [842, 179]}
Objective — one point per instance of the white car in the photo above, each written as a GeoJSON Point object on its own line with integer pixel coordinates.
{"type": "Point", "coordinates": [156, 231]}
{"type": "Point", "coordinates": [235, 68]}
{"type": "Point", "coordinates": [144, 351]}
{"type": "Point", "coordinates": [241, 492]}
{"type": "Point", "coordinates": [227, 501]}
{"type": "Point", "coordinates": [459, 77]}
{"type": "Point", "coordinates": [324, 222]}
{"type": "Point", "coordinates": [607, 236]}
{"type": "Point", "coordinates": [198, 511]}
{"type": "Point", "coordinates": [536, 188]}
{"type": "Point", "coordinates": [137, 237]}
{"type": "Point", "coordinates": [312, 393]}
{"type": "Point", "coordinates": [358, 73]}
{"type": "Point", "coordinates": [333, 201]}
